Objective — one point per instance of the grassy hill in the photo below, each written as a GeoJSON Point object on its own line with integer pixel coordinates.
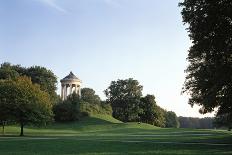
{"type": "Point", "coordinates": [104, 135]}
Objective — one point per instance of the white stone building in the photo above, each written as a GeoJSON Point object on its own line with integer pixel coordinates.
{"type": "Point", "coordinates": [69, 85]}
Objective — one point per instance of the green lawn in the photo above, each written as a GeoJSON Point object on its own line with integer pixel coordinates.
{"type": "Point", "coordinates": [104, 135]}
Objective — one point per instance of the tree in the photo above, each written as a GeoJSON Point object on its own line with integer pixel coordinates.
{"type": "Point", "coordinates": [39, 75]}
{"type": "Point", "coordinates": [44, 77]}
{"type": "Point", "coordinates": [88, 95]}
{"type": "Point", "coordinates": [209, 74]}
{"type": "Point", "coordinates": [160, 116]}
{"type": "Point", "coordinates": [68, 110]}
{"type": "Point", "coordinates": [171, 120]}
{"type": "Point", "coordinates": [150, 112]}
{"type": "Point", "coordinates": [195, 122]}
{"type": "Point", "coordinates": [24, 102]}
{"type": "Point", "coordinates": [223, 121]}
{"type": "Point", "coordinates": [124, 96]}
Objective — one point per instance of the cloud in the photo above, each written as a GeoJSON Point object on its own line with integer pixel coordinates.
{"type": "Point", "coordinates": [53, 4]}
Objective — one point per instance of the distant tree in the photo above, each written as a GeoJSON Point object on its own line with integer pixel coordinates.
{"type": "Point", "coordinates": [171, 120]}
{"type": "Point", "coordinates": [148, 105]}
{"type": "Point", "coordinates": [160, 116]}
{"type": "Point", "coordinates": [151, 113]}
{"type": "Point", "coordinates": [223, 121]}
{"type": "Point", "coordinates": [88, 95]}
{"type": "Point", "coordinates": [207, 123]}
{"type": "Point", "coordinates": [68, 110]}
{"type": "Point", "coordinates": [24, 102]}
{"type": "Point", "coordinates": [124, 96]}
{"type": "Point", "coordinates": [195, 122]}
{"type": "Point", "coordinates": [209, 74]}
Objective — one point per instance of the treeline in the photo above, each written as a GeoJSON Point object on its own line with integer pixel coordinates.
{"type": "Point", "coordinates": [74, 107]}
{"type": "Point", "coordinates": [28, 96]}
{"type": "Point", "coordinates": [197, 123]}
{"type": "Point", "coordinates": [128, 105]}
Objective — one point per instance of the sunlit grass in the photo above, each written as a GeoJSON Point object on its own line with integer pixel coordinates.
{"type": "Point", "coordinates": [104, 135]}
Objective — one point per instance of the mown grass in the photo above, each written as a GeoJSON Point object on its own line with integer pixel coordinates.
{"type": "Point", "coordinates": [104, 135]}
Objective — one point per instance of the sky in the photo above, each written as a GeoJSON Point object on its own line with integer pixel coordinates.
{"type": "Point", "coordinates": [102, 41]}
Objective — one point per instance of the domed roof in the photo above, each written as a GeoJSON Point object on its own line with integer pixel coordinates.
{"type": "Point", "coordinates": [70, 77]}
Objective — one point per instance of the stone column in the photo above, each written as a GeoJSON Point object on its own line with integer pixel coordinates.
{"type": "Point", "coordinates": [65, 92]}
{"type": "Point", "coordinates": [70, 89]}
{"type": "Point", "coordinates": [75, 88]}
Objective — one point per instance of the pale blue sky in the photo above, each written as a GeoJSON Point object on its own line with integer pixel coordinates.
{"type": "Point", "coordinates": [101, 41]}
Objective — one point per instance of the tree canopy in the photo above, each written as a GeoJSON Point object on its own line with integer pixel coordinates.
{"type": "Point", "coordinates": [24, 102]}
{"type": "Point", "coordinates": [68, 110]}
{"type": "Point", "coordinates": [124, 96]}
{"type": "Point", "coordinates": [150, 112]}
{"type": "Point", "coordinates": [88, 95]}
{"type": "Point", "coordinates": [171, 120]}
{"type": "Point", "coordinates": [39, 75]}
{"type": "Point", "coordinates": [209, 74]}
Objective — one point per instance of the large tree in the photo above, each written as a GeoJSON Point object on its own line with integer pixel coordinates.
{"type": "Point", "coordinates": [209, 74]}
{"type": "Point", "coordinates": [124, 96]}
{"type": "Point", "coordinates": [88, 95]}
{"type": "Point", "coordinates": [24, 102]}
{"type": "Point", "coordinates": [150, 112]}
{"type": "Point", "coordinates": [39, 75]}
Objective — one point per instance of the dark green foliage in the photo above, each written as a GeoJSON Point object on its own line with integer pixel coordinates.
{"type": "Point", "coordinates": [88, 109]}
{"type": "Point", "coordinates": [171, 120]}
{"type": "Point", "coordinates": [124, 96]}
{"type": "Point", "coordinates": [92, 104]}
{"type": "Point", "coordinates": [45, 78]}
{"type": "Point", "coordinates": [196, 123]}
{"type": "Point", "coordinates": [24, 103]}
{"type": "Point", "coordinates": [68, 110]}
{"type": "Point", "coordinates": [151, 113]}
{"type": "Point", "coordinates": [223, 120]}
{"type": "Point", "coordinates": [7, 73]}
{"type": "Point", "coordinates": [74, 108]}
{"type": "Point", "coordinates": [160, 116]}
{"type": "Point", "coordinates": [209, 74]}
{"type": "Point", "coordinates": [88, 95]}
{"type": "Point", "coordinates": [39, 75]}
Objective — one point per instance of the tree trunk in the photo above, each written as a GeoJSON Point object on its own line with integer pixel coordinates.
{"type": "Point", "coordinates": [3, 128]}
{"type": "Point", "coordinates": [21, 133]}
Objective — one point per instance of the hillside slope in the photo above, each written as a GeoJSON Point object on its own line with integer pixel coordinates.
{"type": "Point", "coordinates": [95, 124]}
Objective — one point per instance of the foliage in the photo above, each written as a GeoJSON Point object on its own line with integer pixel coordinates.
{"type": "Point", "coordinates": [124, 96]}
{"type": "Point", "coordinates": [151, 113]}
{"type": "Point", "coordinates": [88, 109]}
{"type": "Point", "coordinates": [160, 116]}
{"type": "Point", "coordinates": [171, 120]}
{"type": "Point", "coordinates": [209, 80]}
{"type": "Point", "coordinates": [197, 123]}
{"type": "Point", "coordinates": [39, 75]}
{"type": "Point", "coordinates": [91, 103]}
{"type": "Point", "coordinates": [88, 95]}
{"type": "Point", "coordinates": [24, 102]}
{"type": "Point", "coordinates": [223, 120]}
{"type": "Point", "coordinates": [68, 110]}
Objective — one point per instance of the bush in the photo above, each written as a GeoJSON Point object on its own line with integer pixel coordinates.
{"type": "Point", "coordinates": [90, 108]}
{"type": "Point", "coordinates": [68, 110]}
